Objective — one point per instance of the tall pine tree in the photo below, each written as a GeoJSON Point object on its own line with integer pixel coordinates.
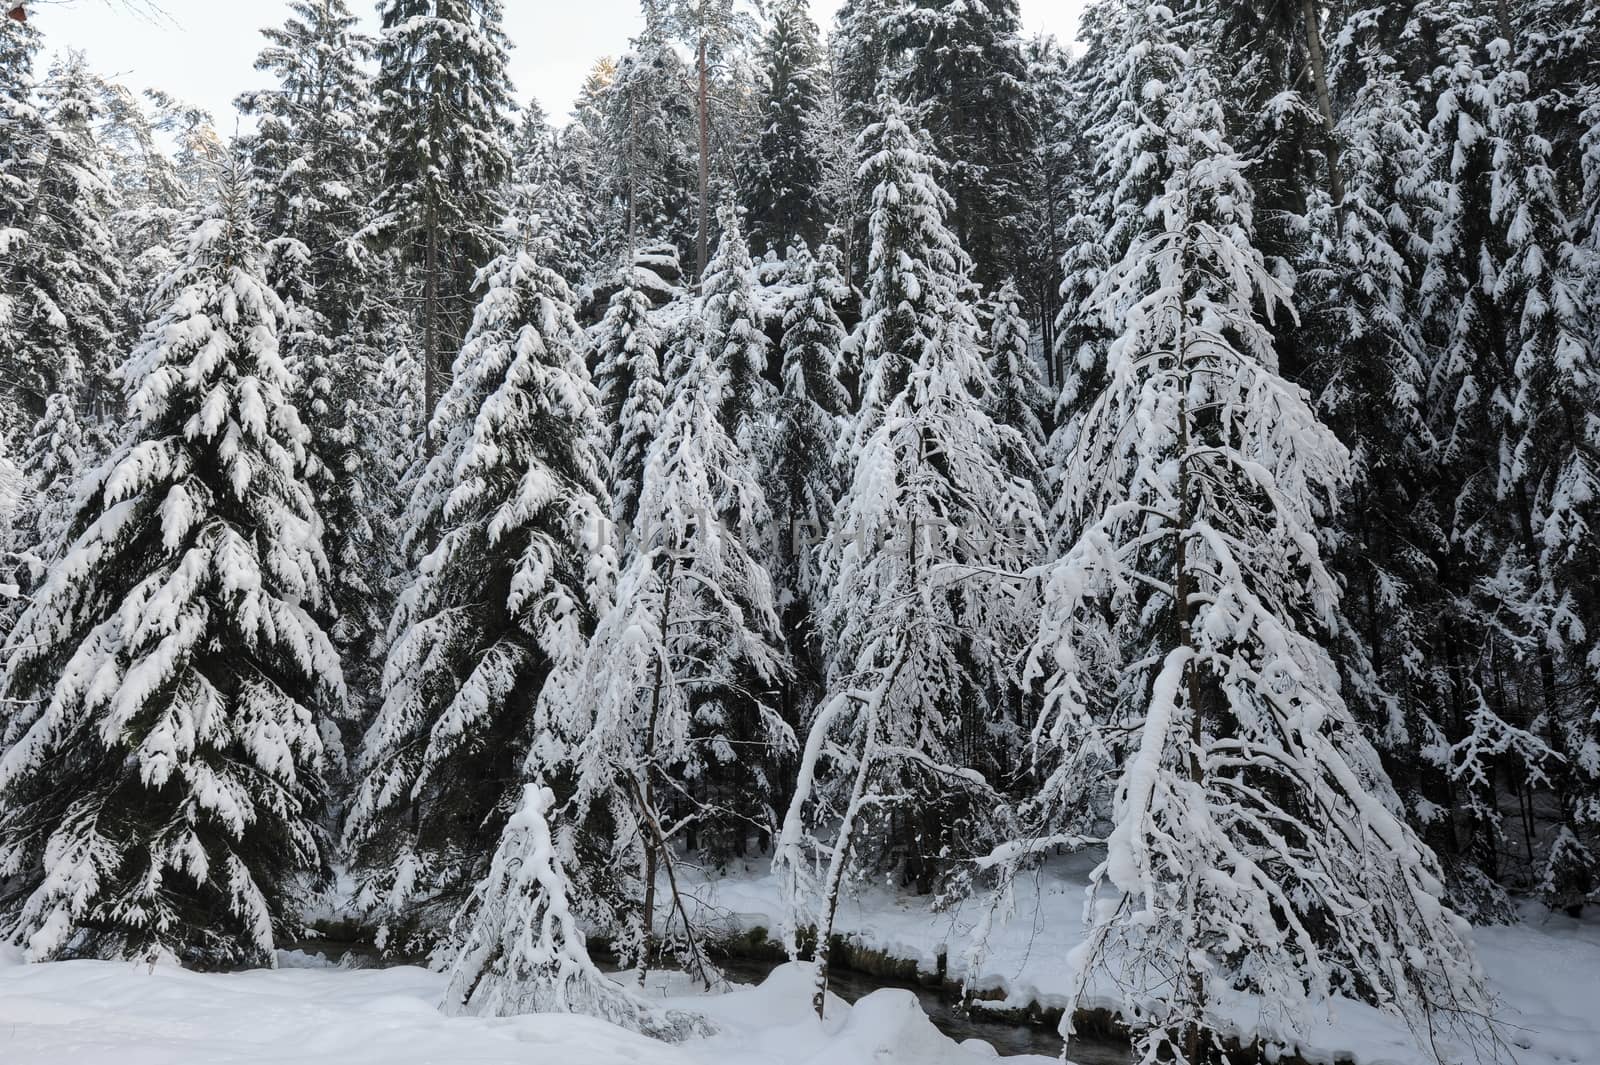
{"type": "Point", "coordinates": [171, 687]}
{"type": "Point", "coordinates": [444, 126]}
{"type": "Point", "coordinates": [514, 506]}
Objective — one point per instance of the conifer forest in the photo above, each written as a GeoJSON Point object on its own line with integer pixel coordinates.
{"type": "Point", "coordinates": [1106, 529]}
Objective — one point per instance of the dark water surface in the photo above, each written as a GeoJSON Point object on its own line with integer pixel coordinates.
{"type": "Point", "coordinates": [947, 1016]}
{"type": "Point", "coordinates": [1006, 1037]}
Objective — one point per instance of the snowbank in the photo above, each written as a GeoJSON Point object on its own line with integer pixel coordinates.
{"type": "Point", "coordinates": [1546, 972]}
{"type": "Point", "coordinates": [107, 1013]}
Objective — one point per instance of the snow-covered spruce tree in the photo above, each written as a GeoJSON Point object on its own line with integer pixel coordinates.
{"type": "Point", "coordinates": [67, 288]}
{"type": "Point", "coordinates": [783, 173]}
{"type": "Point", "coordinates": [540, 189]}
{"type": "Point", "coordinates": [313, 156]}
{"type": "Point", "coordinates": [443, 124]}
{"type": "Point", "coordinates": [734, 337]}
{"type": "Point", "coordinates": [730, 342]}
{"type": "Point", "coordinates": [963, 69]}
{"type": "Point", "coordinates": [1020, 399]}
{"type": "Point", "coordinates": [861, 58]}
{"type": "Point", "coordinates": [648, 133]}
{"type": "Point", "coordinates": [1255, 841]}
{"type": "Point", "coordinates": [521, 948]}
{"type": "Point", "coordinates": [1106, 209]}
{"type": "Point", "coordinates": [1502, 297]}
{"type": "Point", "coordinates": [53, 463]}
{"type": "Point", "coordinates": [808, 418]}
{"type": "Point", "coordinates": [149, 229]}
{"type": "Point", "coordinates": [921, 626]}
{"type": "Point", "coordinates": [164, 767]}
{"type": "Point", "coordinates": [19, 159]}
{"type": "Point", "coordinates": [312, 151]}
{"type": "Point", "coordinates": [1366, 365]}
{"type": "Point", "coordinates": [14, 506]}
{"type": "Point", "coordinates": [514, 504]}
{"type": "Point", "coordinates": [1551, 471]}
{"type": "Point", "coordinates": [632, 395]}
{"type": "Point", "coordinates": [664, 728]}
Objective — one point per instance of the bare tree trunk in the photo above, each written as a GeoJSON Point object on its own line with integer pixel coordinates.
{"type": "Point", "coordinates": [643, 791]}
{"type": "Point", "coordinates": [842, 842]}
{"type": "Point", "coordinates": [840, 860]}
{"type": "Point", "coordinates": [1330, 137]}
{"type": "Point", "coordinates": [430, 328]}
{"type": "Point", "coordinates": [701, 256]}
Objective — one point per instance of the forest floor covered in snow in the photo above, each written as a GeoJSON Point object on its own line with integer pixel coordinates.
{"type": "Point", "coordinates": [108, 1013]}
{"type": "Point", "coordinates": [1545, 971]}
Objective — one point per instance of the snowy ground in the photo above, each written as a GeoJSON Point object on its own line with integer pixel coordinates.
{"type": "Point", "coordinates": [1546, 972]}
{"type": "Point", "coordinates": [105, 1013]}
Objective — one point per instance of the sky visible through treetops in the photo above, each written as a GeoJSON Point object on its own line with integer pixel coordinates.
{"type": "Point", "coordinates": [201, 50]}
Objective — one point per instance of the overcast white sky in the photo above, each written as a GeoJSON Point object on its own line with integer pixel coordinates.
{"type": "Point", "coordinates": [203, 51]}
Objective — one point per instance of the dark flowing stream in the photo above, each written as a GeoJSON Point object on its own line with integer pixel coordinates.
{"type": "Point", "coordinates": [1007, 1037]}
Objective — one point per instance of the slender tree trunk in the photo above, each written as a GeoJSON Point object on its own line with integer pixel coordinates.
{"type": "Point", "coordinates": [430, 327]}
{"type": "Point", "coordinates": [1330, 137]}
{"type": "Point", "coordinates": [1183, 588]}
{"type": "Point", "coordinates": [702, 237]}
{"type": "Point", "coordinates": [644, 792]}
{"type": "Point", "coordinates": [840, 860]}
{"type": "Point", "coordinates": [633, 183]}
{"type": "Point", "coordinates": [842, 842]}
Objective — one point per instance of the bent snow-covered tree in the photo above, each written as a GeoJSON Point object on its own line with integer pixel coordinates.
{"type": "Point", "coordinates": [168, 683]}
{"type": "Point", "coordinates": [514, 506]}
{"type": "Point", "coordinates": [686, 655]}
{"type": "Point", "coordinates": [523, 950]}
{"type": "Point", "coordinates": [921, 625]}
{"type": "Point", "coordinates": [1256, 842]}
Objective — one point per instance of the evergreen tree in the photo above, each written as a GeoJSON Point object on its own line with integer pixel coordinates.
{"type": "Point", "coordinates": [1019, 397]}
{"type": "Point", "coordinates": [963, 69]}
{"type": "Point", "coordinates": [1184, 636]}
{"type": "Point", "coordinates": [1367, 366]}
{"type": "Point", "coordinates": [1048, 197]}
{"type": "Point", "coordinates": [522, 950]}
{"type": "Point", "coordinates": [862, 58]}
{"type": "Point", "coordinates": [444, 101]}
{"type": "Point", "coordinates": [664, 730]}
{"type": "Point", "coordinates": [650, 138]}
{"type": "Point", "coordinates": [19, 150]}
{"type": "Point", "coordinates": [735, 338]}
{"type": "Point", "coordinates": [313, 158]}
{"type": "Point", "coordinates": [1549, 470]}
{"type": "Point", "coordinates": [313, 155]}
{"type": "Point", "coordinates": [171, 686]}
{"type": "Point", "coordinates": [1498, 299]}
{"type": "Point", "coordinates": [541, 190]}
{"type": "Point", "coordinates": [68, 280]}
{"type": "Point", "coordinates": [809, 414]}
{"type": "Point", "coordinates": [155, 206]}
{"type": "Point", "coordinates": [808, 418]}
{"type": "Point", "coordinates": [783, 175]}
{"type": "Point", "coordinates": [515, 506]}
{"type": "Point", "coordinates": [632, 395]}
{"type": "Point", "coordinates": [55, 459]}
{"type": "Point", "coordinates": [920, 628]}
